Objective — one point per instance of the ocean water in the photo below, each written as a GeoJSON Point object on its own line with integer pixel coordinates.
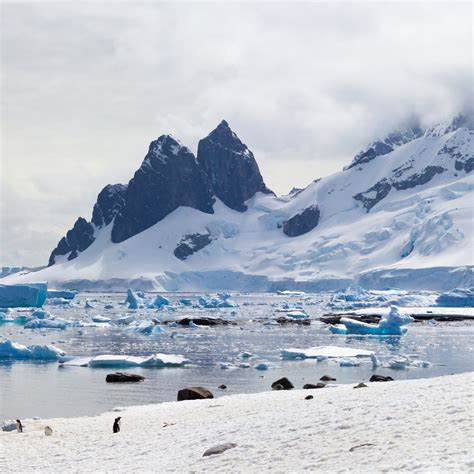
{"type": "Point", "coordinates": [46, 389]}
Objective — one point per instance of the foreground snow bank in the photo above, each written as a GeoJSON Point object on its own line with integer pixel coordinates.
{"type": "Point", "coordinates": [416, 425]}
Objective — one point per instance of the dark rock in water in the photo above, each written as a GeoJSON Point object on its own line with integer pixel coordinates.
{"type": "Point", "coordinates": [360, 385]}
{"type": "Point", "coordinates": [194, 393]}
{"type": "Point", "coordinates": [381, 190]}
{"type": "Point", "coordinates": [76, 240]}
{"type": "Point", "coordinates": [418, 179]}
{"type": "Point", "coordinates": [285, 320]}
{"type": "Point", "coordinates": [327, 378]}
{"type": "Point", "coordinates": [380, 378]}
{"type": "Point", "coordinates": [168, 178]}
{"type": "Point", "coordinates": [231, 167]}
{"type": "Point", "coordinates": [203, 321]}
{"type": "Point", "coordinates": [308, 397]}
{"type": "Point", "coordinates": [191, 244]}
{"type": "Point", "coordinates": [284, 383]}
{"type": "Point", "coordinates": [110, 201]}
{"type": "Point", "coordinates": [302, 223]}
{"type": "Point", "coordinates": [222, 387]}
{"type": "Point", "coordinates": [311, 386]}
{"type": "Point", "coordinates": [123, 377]}
{"type": "Point", "coordinates": [219, 449]}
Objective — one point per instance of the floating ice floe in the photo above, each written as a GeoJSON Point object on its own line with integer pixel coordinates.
{"type": "Point", "coordinates": [457, 298]}
{"type": "Point", "coordinates": [58, 301]}
{"type": "Point", "coordinates": [405, 362]}
{"type": "Point", "coordinates": [297, 314]}
{"type": "Point", "coordinates": [349, 362]}
{"type": "Point", "coordinates": [391, 324]}
{"type": "Point", "coordinates": [185, 302]}
{"type": "Point", "coordinates": [110, 360]}
{"type": "Point", "coordinates": [291, 293]}
{"type": "Point", "coordinates": [100, 319]}
{"type": "Point", "coordinates": [261, 366]}
{"type": "Point", "coordinates": [41, 314]}
{"type": "Point", "coordinates": [148, 327]}
{"type": "Point", "coordinates": [23, 295]}
{"type": "Point", "coordinates": [227, 365]}
{"type": "Point", "coordinates": [47, 324]}
{"type": "Point", "coordinates": [129, 318]}
{"type": "Point", "coordinates": [323, 352]}
{"type": "Point", "coordinates": [222, 300]}
{"type": "Point", "coordinates": [68, 295]}
{"type": "Point", "coordinates": [245, 355]}
{"type": "Point", "coordinates": [13, 350]}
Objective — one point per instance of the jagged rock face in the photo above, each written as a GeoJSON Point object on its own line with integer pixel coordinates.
{"type": "Point", "coordinates": [374, 194]}
{"type": "Point", "coordinates": [168, 178]}
{"type": "Point", "coordinates": [191, 244]}
{"type": "Point", "coordinates": [418, 179]}
{"type": "Point", "coordinates": [76, 240]}
{"type": "Point", "coordinates": [302, 223]}
{"type": "Point", "coordinates": [387, 145]}
{"type": "Point", "coordinates": [231, 167]}
{"type": "Point", "coordinates": [109, 202]}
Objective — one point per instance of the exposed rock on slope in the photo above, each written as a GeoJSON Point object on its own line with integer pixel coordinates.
{"type": "Point", "coordinates": [302, 223]}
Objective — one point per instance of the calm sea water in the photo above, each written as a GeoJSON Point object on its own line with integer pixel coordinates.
{"type": "Point", "coordinates": [48, 390]}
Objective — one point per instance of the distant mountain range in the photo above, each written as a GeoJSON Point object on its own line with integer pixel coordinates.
{"type": "Point", "coordinates": [400, 214]}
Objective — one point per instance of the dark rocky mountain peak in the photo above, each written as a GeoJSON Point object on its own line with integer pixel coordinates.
{"type": "Point", "coordinates": [168, 178]}
{"type": "Point", "coordinates": [109, 202]}
{"type": "Point", "coordinates": [230, 166]}
{"type": "Point", "coordinates": [76, 240]}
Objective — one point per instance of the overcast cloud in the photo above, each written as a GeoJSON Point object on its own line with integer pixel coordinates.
{"type": "Point", "coordinates": [86, 87]}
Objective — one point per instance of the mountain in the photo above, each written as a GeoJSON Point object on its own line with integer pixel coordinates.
{"type": "Point", "coordinates": [399, 215]}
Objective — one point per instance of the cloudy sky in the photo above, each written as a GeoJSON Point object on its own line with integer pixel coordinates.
{"type": "Point", "coordinates": [86, 86]}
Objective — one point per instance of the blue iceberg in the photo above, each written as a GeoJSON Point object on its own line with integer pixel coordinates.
{"type": "Point", "coordinates": [23, 295]}
{"type": "Point", "coordinates": [391, 324]}
{"type": "Point", "coordinates": [13, 350]}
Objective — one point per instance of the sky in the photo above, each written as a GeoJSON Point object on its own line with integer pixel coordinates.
{"type": "Point", "coordinates": [85, 86]}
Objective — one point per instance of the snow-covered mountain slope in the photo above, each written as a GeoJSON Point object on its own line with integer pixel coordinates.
{"type": "Point", "coordinates": [400, 215]}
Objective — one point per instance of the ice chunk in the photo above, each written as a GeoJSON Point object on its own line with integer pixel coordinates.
{"type": "Point", "coordinates": [75, 361]}
{"type": "Point", "coordinates": [391, 324]}
{"type": "Point", "coordinates": [132, 299]}
{"type": "Point", "coordinates": [68, 295]}
{"type": "Point", "coordinates": [13, 350]}
{"type": "Point", "coordinates": [457, 298]}
{"type": "Point", "coordinates": [23, 295]}
{"type": "Point", "coordinates": [291, 293]}
{"type": "Point", "coordinates": [164, 360]}
{"type": "Point", "coordinates": [109, 306]}
{"type": "Point", "coordinates": [245, 355]}
{"type": "Point", "coordinates": [261, 366]}
{"type": "Point", "coordinates": [185, 301]}
{"type": "Point", "coordinates": [9, 425]}
{"type": "Point", "coordinates": [296, 314]}
{"type": "Point", "coordinates": [129, 318]}
{"type": "Point", "coordinates": [155, 360]}
{"type": "Point", "coordinates": [47, 324]}
{"type": "Point", "coordinates": [41, 314]}
{"type": "Point", "coordinates": [58, 301]}
{"type": "Point", "coordinates": [148, 327]}
{"type": "Point", "coordinates": [160, 301]}
{"type": "Point", "coordinates": [100, 319]}
{"type": "Point", "coordinates": [222, 300]}
{"type": "Point", "coordinates": [323, 352]}
{"type": "Point", "coordinates": [349, 362]}
{"type": "Point", "coordinates": [227, 365]}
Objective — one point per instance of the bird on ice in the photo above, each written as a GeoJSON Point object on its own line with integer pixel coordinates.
{"type": "Point", "coordinates": [116, 427]}
{"type": "Point", "coordinates": [48, 431]}
{"type": "Point", "coordinates": [19, 426]}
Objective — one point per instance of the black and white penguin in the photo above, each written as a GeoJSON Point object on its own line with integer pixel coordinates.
{"type": "Point", "coordinates": [19, 426]}
{"type": "Point", "coordinates": [116, 427]}
{"type": "Point", "coordinates": [48, 431]}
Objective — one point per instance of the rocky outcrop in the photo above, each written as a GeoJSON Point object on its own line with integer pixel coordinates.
{"type": "Point", "coordinates": [418, 179]}
{"type": "Point", "coordinates": [194, 393]}
{"type": "Point", "coordinates": [302, 223]}
{"type": "Point", "coordinates": [110, 202]}
{"type": "Point", "coordinates": [219, 449]}
{"type": "Point", "coordinates": [123, 377]}
{"type": "Point", "coordinates": [380, 378]}
{"type": "Point", "coordinates": [191, 244]}
{"type": "Point", "coordinates": [466, 164]}
{"type": "Point", "coordinates": [231, 167]}
{"type": "Point", "coordinates": [374, 194]}
{"type": "Point", "coordinates": [76, 240]}
{"type": "Point", "coordinates": [312, 386]}
{"type": "Point", "coordinates": [168, 178]}
{"type": "Point", "coordinates": [386, 145]}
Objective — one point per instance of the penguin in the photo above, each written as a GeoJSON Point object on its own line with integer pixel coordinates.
{"type": "Point", "coordinates": [48, 431]}
{"type": "Point", "coordinates": [19, 426]}
{"type": "Point", "coordinates": [116, 427]}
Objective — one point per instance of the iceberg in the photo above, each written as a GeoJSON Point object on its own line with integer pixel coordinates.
{"type": "Point", "coordinates": [47, 324]}
{"type": "Point", "coordinates": [100, 319]}
{"type": "Point", "coordinates": [391, 324]}
{"type": "Point", "coordinates": [23, 295]}
{"type": "Point", "coordinates": [129, 318]}
{"type": "Point", "coordinates": [185, 301]}
{"type": "Point", "coordinates": [13, 350]}
{"type": "Point", "coordinates": [112, 361]}
{"type": "Point", "coordinates": [160, 301]}
{"type": "Point", "coordinates": [457, 298]}
{"type": "Point", "coordinates": [148, 327]}
{"type": "Point", "coordinates": [68, 295]}
{"type": "Point", "coordinates": [222, 300]}
{"type": "Point", "coordinates": [323, 352]}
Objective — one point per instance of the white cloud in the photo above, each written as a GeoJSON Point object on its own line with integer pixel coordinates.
{"type": "Point", "coordinates": [86, 87]}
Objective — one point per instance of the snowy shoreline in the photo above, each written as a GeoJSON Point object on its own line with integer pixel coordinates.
{"type": "Point", "coordinates": [415, 425]}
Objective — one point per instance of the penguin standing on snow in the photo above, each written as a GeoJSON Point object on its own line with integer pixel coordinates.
{"type": "Point", "coordinates": [19, 426]}
{"type": "Point", "coordinates": [48, 431]}
{"type": "Point", "coordinates": [116, 427]}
